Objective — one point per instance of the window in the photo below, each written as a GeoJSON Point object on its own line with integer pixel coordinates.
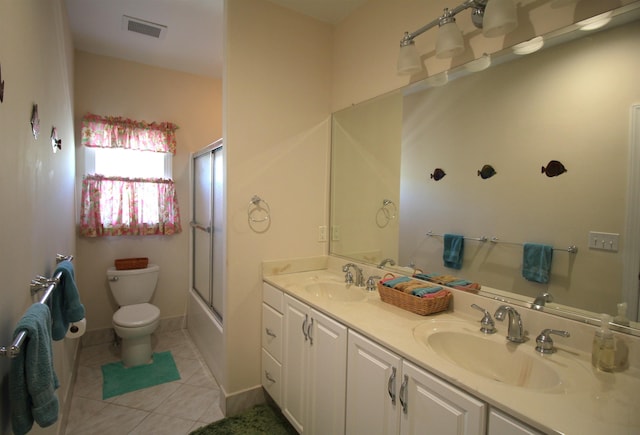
{"type": "Point", "coordinates": [127, 187]}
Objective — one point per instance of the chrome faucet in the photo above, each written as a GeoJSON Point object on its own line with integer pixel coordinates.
{"type": "Point", "coordinates": [515, 333]}
{"type": "Point", "coordinates": [348, 277]}
{"type": "Point", "coordinates": [390, 261]}
{"type": "Point", "coordinates": [540, 300]}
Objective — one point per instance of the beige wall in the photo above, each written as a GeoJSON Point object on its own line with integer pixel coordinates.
{"type": "Point", "coordinates": [366, 43]}
{"type": "Point", "coordinates": [277, 100]}
{"type": "Point", "coordinates": [36, 185]}
{"type": "Point", "coordinates": [108, 86]}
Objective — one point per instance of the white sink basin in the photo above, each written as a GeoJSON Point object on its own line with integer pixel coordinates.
{"type": "Point", "coordinates": [490, 356]}
{"type": "Point", "coordinates": [335, 291]}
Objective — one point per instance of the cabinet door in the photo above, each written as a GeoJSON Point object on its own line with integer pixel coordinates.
{"type": "Point", "coordinates": [294, 361]}
{"type": "Point", "coordinates": [373, 380]}
{"type": "Point", "coordinates": [503, 424]}
{"type": "Point", "coordinates": [431, 405]}
{"type": "Point", "coordinates": [327, 376]}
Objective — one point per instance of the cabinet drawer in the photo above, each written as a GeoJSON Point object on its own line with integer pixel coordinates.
{"type": "Point", "coordinates": [273, 297]}
{"type": "Point", "coordinates": [272, 331]}
{"type": "Point", "coordinates": [271, 377]}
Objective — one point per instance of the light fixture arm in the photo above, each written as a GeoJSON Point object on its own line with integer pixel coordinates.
{"type": "Point", "coordinates": [478, 10]}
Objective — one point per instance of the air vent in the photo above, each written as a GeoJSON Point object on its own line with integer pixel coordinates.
{"type": "Point", "coordinates": [143, 27]}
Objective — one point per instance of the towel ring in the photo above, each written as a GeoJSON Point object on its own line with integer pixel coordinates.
{"type": "Point", "coordinates": [387, 207]}
{"type": "Point", "coordinates": [254, 206]}
{"type": "Point", "coordinates": [386, 213]}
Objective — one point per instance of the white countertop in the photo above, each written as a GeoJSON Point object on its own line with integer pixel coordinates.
{"type": "Point", "coordinates": [587, 402]}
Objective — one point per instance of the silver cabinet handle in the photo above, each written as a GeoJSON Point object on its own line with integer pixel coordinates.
{"type": "Point", "coordinates": [270, 333]}
{"type": "Point", "coordinates": [309, 332]}
{"type": "Point", "coordinates": [304, 327]}
{"type": "Point", "coordinates": [391, 385]}
{"type": "Point", "coordinates": [269, 377]}
{"type": "Point", "coordinates": [404, 393]}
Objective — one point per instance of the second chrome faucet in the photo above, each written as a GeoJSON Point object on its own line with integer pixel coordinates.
{"type": "Point", "coordinates": [515, 333]}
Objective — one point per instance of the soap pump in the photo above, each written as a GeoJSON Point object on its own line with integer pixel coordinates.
{"type": "Point", "coordinates": [621, 318]}
{"type": "Point", "coordinates": [604, 347]}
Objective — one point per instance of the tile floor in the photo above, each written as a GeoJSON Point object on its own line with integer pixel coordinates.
{"type": "Point", "coordinates": [173, 408]}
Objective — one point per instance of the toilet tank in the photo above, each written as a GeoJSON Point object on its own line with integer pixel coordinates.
{"type": "Point", "coordinates": [135, 286]}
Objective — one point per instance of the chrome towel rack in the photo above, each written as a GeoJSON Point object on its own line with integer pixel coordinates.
{"type": "Point", "coordinates": [573, 249]}
{"type": "Point", "coordinates": [477, 239]}
{"type": "Point", "coordinates": [37, 284]}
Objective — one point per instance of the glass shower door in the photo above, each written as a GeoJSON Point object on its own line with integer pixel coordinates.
{"type": "Point", "coordinates": [206, 227]}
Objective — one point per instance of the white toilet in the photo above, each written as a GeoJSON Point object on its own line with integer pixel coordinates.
{"type": "Point", "coordinates": [136, 319]}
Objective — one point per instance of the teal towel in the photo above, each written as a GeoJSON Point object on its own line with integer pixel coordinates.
{"type": "Point", "coordinates": [453, 249]}
{"type": "Point", "coordinates": [425, 291]}
{"type": "Point", "coordinates": [65, 301]}
{"type": "Point", "coordinates": [393, 282]}
{"type": "Point", "coordinates": [425, 276]}
{"type": "Point", "coordinates": [536, 262]}
{"type": "Point", "coordinates": [32, 379]}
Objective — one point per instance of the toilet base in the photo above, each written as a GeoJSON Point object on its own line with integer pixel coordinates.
{"type": "Point", "coordinates": [136, 351]}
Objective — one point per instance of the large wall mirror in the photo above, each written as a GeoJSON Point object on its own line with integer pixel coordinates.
{"type": "Point", "coordinates": [407, 168]}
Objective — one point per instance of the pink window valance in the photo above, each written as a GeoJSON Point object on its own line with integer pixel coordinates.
{"type": "Point", "coordinates": [117, 132]}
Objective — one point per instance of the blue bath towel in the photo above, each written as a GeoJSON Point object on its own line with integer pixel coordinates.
{"type": "Point", "coordinates": [536, 262]}
{"type": "Point", "coordinates": [32, 379]}
{"type": "Point", "coordinates": [453, 250]}
{"type": "Point", "coordinates": [65, 301]}
{"type": "Point", "coordinates": [425, 291]}
{"type": "Point", "coordinates": [393, 282]}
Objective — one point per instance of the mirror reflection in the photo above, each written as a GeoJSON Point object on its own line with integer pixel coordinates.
{"type": "Point", "coordinates": [533, 150]}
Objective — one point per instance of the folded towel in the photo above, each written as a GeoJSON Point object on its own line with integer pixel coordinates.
{"type": "Point", "coordinates": [32, 379]}
{"type": "Point", "coordinates": [394, 281]}
{"type": "Point", "coordinates": [453, 249]}
{"type": "Point", "coordinates": [65, 301]}
{"type": "Point", "coordinates": [426, 276]}
{"type": "Point", "coordinates": [536, 262]}
{"type": "Point", "coordinates": [420, 292]}
{"type": "Point", "coordinates": [443, 292]}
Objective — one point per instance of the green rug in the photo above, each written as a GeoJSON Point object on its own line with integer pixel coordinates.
{"type": "Point", "coordinates": [118, 379]}
{"type": "Point", "coordinates": [259, 420]}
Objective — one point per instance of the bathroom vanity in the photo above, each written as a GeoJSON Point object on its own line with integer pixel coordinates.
{"type": "Point", "coordinates": [336, 359]}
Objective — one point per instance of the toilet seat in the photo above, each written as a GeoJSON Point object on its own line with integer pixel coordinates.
{"type": "Point", "coordinates": [133, 316]}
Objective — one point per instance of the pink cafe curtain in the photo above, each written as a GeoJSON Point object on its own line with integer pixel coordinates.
{"type": "Point", "coordinates": [122, 206]}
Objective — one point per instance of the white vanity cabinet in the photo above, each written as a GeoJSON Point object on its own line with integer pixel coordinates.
{"type": "Point", "coordinates": [387, 395]}
{"type": "Point", "coordinates": [503, 424]}
{"type": "Point", "coordinates": [272, 341]}
{"type": "Point", "coordinates": [314, 370]}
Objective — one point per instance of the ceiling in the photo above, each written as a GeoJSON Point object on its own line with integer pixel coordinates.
{"type": "Point", "coordinates": [193, 39]}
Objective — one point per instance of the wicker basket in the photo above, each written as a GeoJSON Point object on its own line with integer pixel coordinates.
{"type": "Point", "coordinates": [132, 263]}
{"type": "Point", "coordinates": [409, 302]}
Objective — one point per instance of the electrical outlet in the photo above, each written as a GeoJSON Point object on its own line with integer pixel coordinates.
{"type": "Point", "coordinates": [322, 233]}
{"type": "Point", "coordinates": [603, 241]}
{"type": "Point", "coordinates": [335, 233]}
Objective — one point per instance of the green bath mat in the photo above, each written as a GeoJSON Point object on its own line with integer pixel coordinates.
{"type": "Point", "coordinates": [118, 379]}
{"type": "Point", "coordinates": [259, 420]}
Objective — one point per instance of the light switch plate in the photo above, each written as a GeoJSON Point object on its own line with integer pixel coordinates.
{"type": "Point", "coordinates": [603, 241]}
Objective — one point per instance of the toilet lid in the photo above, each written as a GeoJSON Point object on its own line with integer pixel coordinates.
{"type": "Point", "coordinates": [131, 316]}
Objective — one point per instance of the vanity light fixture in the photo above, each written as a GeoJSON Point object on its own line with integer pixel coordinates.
{"type": "Point", "coordinates": [596, 22]}
{"type": "Point", "coordinates": [528, 47]}
{"type": "Point", "coordinates": [494, 17]}
{"type": "Point", "coordinates": [479, 64]}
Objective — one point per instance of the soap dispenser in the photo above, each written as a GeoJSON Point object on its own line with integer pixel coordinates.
{"type": "Point", "coordinates": [621, 318]}
{"type": "Point", "coordinates": [604, 347]}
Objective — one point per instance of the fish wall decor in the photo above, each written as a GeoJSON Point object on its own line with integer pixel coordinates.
{"type": "Point", "coordinates": [486, 172]}
{"type": "Point", "coordinates": [554, 168]}
{"type": "Point", "coordinates": [438, 174]}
